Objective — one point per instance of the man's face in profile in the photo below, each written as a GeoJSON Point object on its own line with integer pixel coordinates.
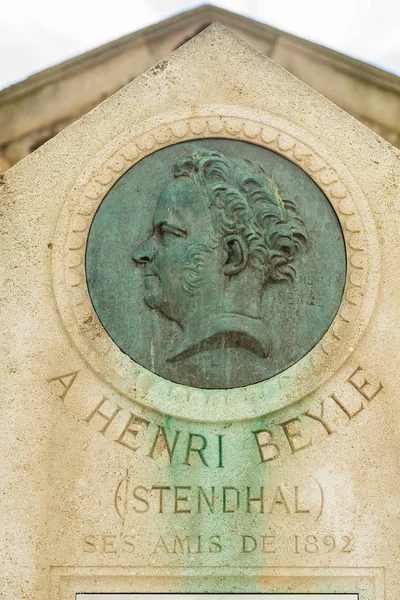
{"type": "Point", "coordinates": [181, 256]}
{"type": "Point", "coordinates": [221, 233]}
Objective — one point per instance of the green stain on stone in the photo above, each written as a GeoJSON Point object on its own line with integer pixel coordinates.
{"type": "Point", "coordinates": [211, 534]}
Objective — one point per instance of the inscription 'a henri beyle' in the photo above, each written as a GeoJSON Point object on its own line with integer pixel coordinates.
{"type": "Point", "coordinates": [187, 448]}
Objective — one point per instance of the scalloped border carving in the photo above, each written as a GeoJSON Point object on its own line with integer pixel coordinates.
{"type": "Point", "coordinates": [149, 390]}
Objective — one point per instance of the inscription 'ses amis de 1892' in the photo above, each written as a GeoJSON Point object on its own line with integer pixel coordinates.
{"type": "Point", "coordinates": [238, 263]}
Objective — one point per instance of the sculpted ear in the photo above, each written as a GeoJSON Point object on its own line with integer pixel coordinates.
{"type": "Point", "coordinates": [236, 254]}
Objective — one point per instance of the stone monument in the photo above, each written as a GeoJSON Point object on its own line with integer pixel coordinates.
{"type": "Point", "coordinates": [200, 293]}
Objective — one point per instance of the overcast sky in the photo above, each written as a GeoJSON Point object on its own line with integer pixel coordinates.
{"type": "Point", "coordinates": [36, 34]}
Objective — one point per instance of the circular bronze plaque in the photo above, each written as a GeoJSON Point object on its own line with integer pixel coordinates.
{"type": "Point", "coordinates": [215, 263]}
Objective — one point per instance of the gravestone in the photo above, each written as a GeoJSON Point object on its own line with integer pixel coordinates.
{"type": "Point", "coordinates": [200, 291]}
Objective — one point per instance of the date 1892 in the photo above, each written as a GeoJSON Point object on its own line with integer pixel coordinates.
{"type": "Point", "coordinates": [321, 544]}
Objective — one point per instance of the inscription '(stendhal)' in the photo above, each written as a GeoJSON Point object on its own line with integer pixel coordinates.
{"type": "Point", "coordinates": [224, 499]}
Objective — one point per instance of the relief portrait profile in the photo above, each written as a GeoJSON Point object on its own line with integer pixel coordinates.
{"type": "Point", "coordinates": [215, 263]}
{"type": "Point", "coordinates": [221, 233]}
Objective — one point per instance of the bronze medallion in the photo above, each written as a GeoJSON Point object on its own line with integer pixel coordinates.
{"type": "Point", "coordinates": [215, 263]}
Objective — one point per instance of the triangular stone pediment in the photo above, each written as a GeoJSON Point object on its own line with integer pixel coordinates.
{"type": "Point", "coordinates": [34, 110]}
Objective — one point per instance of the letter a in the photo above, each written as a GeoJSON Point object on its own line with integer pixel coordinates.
{"type": "Point", "coordinates": [70, 378]}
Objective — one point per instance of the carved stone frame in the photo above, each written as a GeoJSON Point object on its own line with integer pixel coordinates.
{"type": "Point", "coordinates": [137, 384]}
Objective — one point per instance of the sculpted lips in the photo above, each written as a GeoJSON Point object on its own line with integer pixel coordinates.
{"type": "Point", "coordinates": [151, 271]}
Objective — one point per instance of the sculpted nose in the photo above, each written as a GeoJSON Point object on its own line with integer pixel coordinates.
{"type": "Point", "coordinates": [145, 253]}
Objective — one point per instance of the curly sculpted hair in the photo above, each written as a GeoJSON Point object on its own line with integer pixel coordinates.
{"type": "Point", "coordinates": [244, 201]}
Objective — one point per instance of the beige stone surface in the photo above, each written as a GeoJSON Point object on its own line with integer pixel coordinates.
{"type": "Point", "coordinates": [33, 111]}
{"type": "Point", "coordinates": [80, 449]}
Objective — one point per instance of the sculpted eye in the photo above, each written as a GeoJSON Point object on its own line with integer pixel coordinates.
{"type": "Point", "coordinates": [168, 230]}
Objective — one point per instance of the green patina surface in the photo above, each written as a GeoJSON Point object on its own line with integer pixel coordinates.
{"type": "Point", "coordinates": [215, 263]}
